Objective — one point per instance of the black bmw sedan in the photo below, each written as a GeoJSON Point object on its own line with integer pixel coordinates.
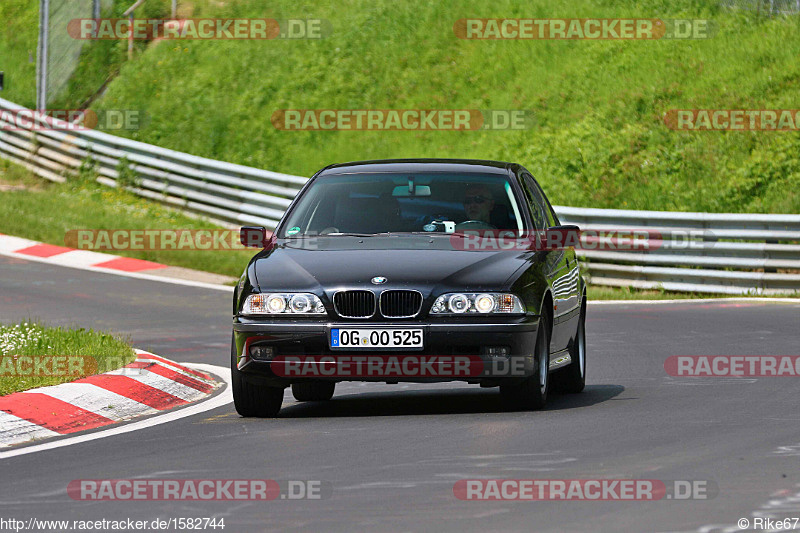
{"type": "Point", "coordinates": [416, 270]}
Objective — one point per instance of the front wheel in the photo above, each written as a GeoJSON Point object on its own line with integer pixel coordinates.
{"type": "Point", "coordinates": [251, 399]}
{"type": "Point", "coordinates": [572, 378]}
{"type": "Point", "coordinates": [531, 394]}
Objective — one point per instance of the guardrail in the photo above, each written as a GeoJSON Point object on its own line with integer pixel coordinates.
{"type": "Point", "coordinates": [725, 253]}
{"type": "Point", "coordinates": [219, 190]}
{"type": "Point", "coordinates": [698, 252]}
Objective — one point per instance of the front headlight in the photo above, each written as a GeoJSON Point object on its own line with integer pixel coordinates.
{"type": "Point", "coordinates": [483, 303]}
{"type": "Point", "coordinates": [279, 303]}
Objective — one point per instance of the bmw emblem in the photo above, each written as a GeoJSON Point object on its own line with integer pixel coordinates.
{"type": "Point", "coordinates": [378, 280]}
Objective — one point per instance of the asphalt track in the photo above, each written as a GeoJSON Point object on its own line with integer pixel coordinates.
{"type": "Point", "coordinates": [390, 454]}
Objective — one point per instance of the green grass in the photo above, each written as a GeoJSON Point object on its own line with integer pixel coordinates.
{"type": "Point", "coordinates": [598, 139]}
{"type": "Point", "coordinates": [37, 343]}
{"type": "Point", "coordinates": [19, 22]}
{"type": "Point", "coordinates": [100, 61]}
{"type": "Point", "coordinates": [46, 212]}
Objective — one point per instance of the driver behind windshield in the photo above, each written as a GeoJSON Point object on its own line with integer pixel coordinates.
{"type": "Point", "coordinates": [478, 203]}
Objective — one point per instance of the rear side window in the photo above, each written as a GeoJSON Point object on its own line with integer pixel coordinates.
{"type": "Point", "coordinates": [540, 220]}
{"type": "Point", "coordinates": [548, 214]}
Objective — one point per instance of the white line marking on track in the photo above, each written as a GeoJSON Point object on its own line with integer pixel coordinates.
{"type": "Point", "coordinates": [219, 400]}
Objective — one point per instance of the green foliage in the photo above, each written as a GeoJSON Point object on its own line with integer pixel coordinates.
{"type": "Point", "coordinates": [98, 64]}
{"type": "Point", "coordinates": [598, 138]}
{"type": "Point", "coordinates": [108, 352]}
{"type": "Point", "coordinates": [19, 22]}
{"type": "Point", "coordinates": [126, 175]}
{"type": "Point", "coordinates": [48, 211]}
{"type": "Point", "coordinates": [87, 172]}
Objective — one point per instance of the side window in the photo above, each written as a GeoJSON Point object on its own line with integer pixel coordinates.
{"type": "Point", "coordinates": [538, 206]}
{"type": "Point", "coordinates": [548, 212]}
{"type": "Point", "coordinates": [553, 214]}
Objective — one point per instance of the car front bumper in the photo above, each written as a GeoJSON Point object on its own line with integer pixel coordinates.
{"type": "Point", "coordinates": [443, 341]}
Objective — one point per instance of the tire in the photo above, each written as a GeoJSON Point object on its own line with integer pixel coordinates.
{"type": "Point", "coordinates": [572, 378]}
{"type": "Point", "coordinates": [251, 400]}
{"type": "Point", "coordinates": [313, 391]}
{"type": "Point", "coordinates": [531, 394]}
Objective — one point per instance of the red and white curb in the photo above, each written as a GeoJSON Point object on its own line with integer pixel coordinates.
{"type": "Point", "coordinates": [29, 250]}
{"type": "Point", "coordinates": [61, 255]}
{"type": "Point", "coordinates": [149, 385]}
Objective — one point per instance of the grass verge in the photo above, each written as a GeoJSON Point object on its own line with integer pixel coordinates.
{"type": "Point", "coordinates": [598, 136]}
{"type": "Point", "coordinates": [33, 355]}
{"type": "Point", "coordinates": [45, 211]}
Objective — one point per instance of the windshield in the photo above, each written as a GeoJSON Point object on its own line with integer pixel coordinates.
{"type": "Point", "coordinates": [402, 203]}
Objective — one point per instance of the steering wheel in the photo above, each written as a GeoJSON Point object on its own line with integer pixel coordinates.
{"type": "Point", "coordinates": [473, 224]}
{"type": "Point", "coordinates": [329, 229]}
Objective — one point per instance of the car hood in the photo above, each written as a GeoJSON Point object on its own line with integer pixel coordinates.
{"type": "Point", "coordinates": [420, 262]}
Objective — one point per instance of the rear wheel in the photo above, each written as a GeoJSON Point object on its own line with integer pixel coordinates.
{"type": "Point", "coordinates": [313, 391]}
{"type": "Point", "coordinates": [572, 378]}
{"type": "Point", "coordinates": [251, 399]}
{"type": "Point", "coordinates": [531, 394]}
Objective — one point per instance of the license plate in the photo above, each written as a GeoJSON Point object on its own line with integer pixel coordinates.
{"type": "Point", "coordinates": [376, 338]}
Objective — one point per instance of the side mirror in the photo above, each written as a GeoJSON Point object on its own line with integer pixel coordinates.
{"type": "Point", "coordinates": [557, 238]}
{"type": "Point", "coordinates": [256, 237]}
{"type": "Point", "coordinates": [568, 227]}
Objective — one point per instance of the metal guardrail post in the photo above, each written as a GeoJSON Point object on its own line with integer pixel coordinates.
{"type": "Point", "coordinates": [129, 13]}
{"type": "Point", "coordinates": [43, 51]}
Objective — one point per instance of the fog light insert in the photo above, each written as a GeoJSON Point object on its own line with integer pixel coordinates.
{"type": "Point", "coordinates": [261, 352]}
{"type": "Point", "coordinates": [497, 351]}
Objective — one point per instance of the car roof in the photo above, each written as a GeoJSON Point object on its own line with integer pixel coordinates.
{"type": "Point", "coordinates": [464, 166]}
